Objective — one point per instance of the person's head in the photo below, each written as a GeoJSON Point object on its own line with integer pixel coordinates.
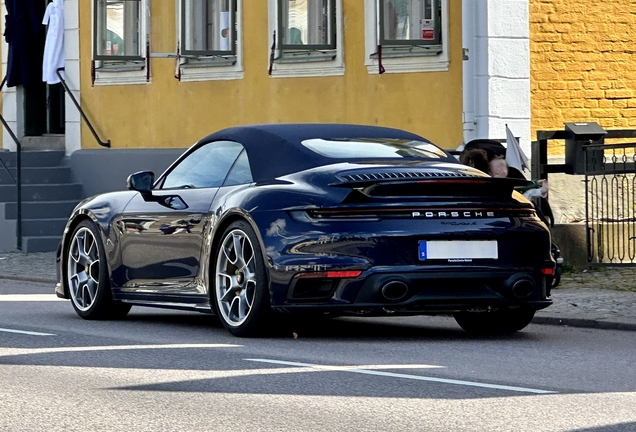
{"type": "Point", "coordinates": [498, 167]}
{"type": "Point", "coordinates": [476, 158]}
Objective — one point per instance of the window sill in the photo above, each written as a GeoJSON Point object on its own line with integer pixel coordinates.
{"type": "Point", "coordinates": [306, 56]}
{"type": "Point", "coordinates": [406, 64]}
{"type": "Point", "coordinates": [121, 73]}
{"type": "Point", "coordinates": [193, 74]}
{"type": "Point", "coordinates": [406, 51]}
{"type": "Point", "coordinates": [315, 67]}
{"type": "Point", "coordinates": [210, 69]}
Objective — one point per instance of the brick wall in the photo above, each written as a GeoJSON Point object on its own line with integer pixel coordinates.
{"type": "Point", "coordinates": [583, 64]}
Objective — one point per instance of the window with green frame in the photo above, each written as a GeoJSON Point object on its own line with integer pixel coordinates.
{"type": "Point", "coordinates": [117, 34]}
{"type": "Point", "coordinates": [208, 27]}
{"type": "Point", "coordinates": [306, 25]}
{"type": "Point", "coordinates": [410, 24]}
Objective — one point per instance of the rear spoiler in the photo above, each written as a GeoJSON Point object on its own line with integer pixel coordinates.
{"type": "Point", "coordinates": [472, 188]}
{"type": "Point", "coordinates": [442, 180]}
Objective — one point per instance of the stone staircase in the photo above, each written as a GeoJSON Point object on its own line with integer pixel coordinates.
{"type": "Point", "coordinates": [48, 198]}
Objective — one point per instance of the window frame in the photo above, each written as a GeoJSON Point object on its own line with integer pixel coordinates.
{"type": "Point", "coordinates": [117, 58]}
{"type": "Point", "coordinates": [117, 70]}
{"type": "Point", "coordinates": [192, 68]}
{"type": "Point", "coordinates": [389, 43]}
{"type": "Point", "coordinates": [209, 53]}
{"type": "Point", "coordinates": [331, 5]}
{"type": "Point", "coordinates": [290, 63]}
{"type": "Point", "coordinates": [405, 58]}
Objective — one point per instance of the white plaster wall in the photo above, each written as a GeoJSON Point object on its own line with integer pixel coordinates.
{"type": "Point", "coordinates": [497, 74]}
{"type": "Point", "coordinates": [72, 68]}
{"type": "Point", "coordinates": [9, 96]}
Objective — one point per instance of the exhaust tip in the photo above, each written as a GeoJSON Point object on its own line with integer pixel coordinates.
{"type": "Point", "coordinates": [394, 290]}
{"type": "Point", "coordinates": [522, 288]}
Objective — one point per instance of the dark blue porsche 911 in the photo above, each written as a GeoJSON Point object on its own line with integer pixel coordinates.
{"type": "Point", "coordinates": [323, 219]}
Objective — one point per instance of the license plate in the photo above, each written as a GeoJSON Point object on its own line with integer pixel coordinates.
{"type": "Point", "coordinates": [462, 250]}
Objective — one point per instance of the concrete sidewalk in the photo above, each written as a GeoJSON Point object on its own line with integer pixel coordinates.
{"type": "Point", "coordinates": [600, 298]}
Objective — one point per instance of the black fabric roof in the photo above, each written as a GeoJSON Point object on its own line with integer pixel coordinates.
{"type": "Point", "coordinates": [275, 150]}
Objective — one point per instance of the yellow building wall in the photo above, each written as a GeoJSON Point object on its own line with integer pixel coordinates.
{"type": "Point", "coordinates": [583, 65]}
{"type": "Point", "coordinates": [169, 113]}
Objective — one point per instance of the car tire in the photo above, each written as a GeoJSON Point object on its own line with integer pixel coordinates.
{"type": "Point", "coordinates": [556, 280]}
{"type": "Point", "coordinates": [495, 322]}
{"type": "Point", "coordinates": [87, 276]}
{"type": "Point", "coordinates": [240, 293]}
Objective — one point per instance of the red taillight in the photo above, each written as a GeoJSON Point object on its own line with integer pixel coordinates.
{"type": "Point", "coordinates": [454, 181]}
{"type": "Point", "coordinates": [331, 274]}
{"type": "Point", "coordinates": [547, 271]}
{"type": "Point", "coordinates": [344, 274]}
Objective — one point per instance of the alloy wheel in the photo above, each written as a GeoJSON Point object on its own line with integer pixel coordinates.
{"type": "Point", "coordinates": [83, 269]}
{"type": "Point", "coordinates": [235, 278]}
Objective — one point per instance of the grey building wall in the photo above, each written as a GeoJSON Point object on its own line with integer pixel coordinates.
{"type": "Point", "coordinates": [8, 240]}
{"type": "Point", "coordinates": [100, 171]}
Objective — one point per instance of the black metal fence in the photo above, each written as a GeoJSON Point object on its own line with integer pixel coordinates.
{"type": "Point", "coordinates": [609, 170]}
{"type": "Point", "coordinates": [610, 189]}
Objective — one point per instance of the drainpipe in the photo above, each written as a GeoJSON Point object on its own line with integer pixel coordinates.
{"type": "Point", "coordinates": [469, 51]}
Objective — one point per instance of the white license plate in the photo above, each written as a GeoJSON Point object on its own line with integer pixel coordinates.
{"type": "Point", "coordinates": [458, 249]}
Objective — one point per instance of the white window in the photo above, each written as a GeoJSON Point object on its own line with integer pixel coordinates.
{"type": "Point", "coordinates": [306, 25]}
{"type": "Point", "coordinates": [406, 35]}
{"type": "Point", "coordinates": [209, 40]}
{"type": "Point", "coordinates": [207, 27]}
{"type": "Point", "coordinates": [120, 42]}
{"type": "Point", "coordinates": [305, 38]}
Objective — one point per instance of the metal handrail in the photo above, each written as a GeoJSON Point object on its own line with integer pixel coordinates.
{"type": "Point", "coordinates": [18, 179]}
{"type": "Point", "coordinates": [79, 108]}
{"type": "Point", "coordinates": [8, 171]}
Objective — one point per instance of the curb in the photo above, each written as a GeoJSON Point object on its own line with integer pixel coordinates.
{"type": "Point", "coordinates": [584, 323]}
{"type": "Point", "coordinates": [28, 279]}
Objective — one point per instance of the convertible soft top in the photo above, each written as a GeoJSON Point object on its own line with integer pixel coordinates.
{"type": "Point", "coordinates": [276, 149]}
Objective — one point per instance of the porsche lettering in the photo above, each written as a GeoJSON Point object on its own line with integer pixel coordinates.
{"type": "Point", "coordinates": [454, 214]}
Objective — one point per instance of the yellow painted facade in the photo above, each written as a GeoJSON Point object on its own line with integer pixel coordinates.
{"type": "Point", "coordinates": [583, 65]}
{"type": "Point", "coordinates": [168, 113]}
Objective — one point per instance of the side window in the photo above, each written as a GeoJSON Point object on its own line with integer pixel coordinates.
{"type": "Point", "coordinates": [119, 41]}
{"type": "Point", "coordinates": [305, 38]}
{"type": "Point", "coordinates": [209, 42]}
{"type": "Point", "coordinates": [241, 173]}
{"type": "Point", "coordinates": [205, 167]}
{"type": "Point", "coordinates": [406, 35]}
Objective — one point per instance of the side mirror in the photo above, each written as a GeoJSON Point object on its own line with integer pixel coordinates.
{"type": "Point", "coordinates": [141, 181]}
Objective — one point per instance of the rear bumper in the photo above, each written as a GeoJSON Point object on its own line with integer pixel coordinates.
{"type": "Point", "coordinates": [400, 291]}
{"type": "Point", "coordinates": [425, 308]}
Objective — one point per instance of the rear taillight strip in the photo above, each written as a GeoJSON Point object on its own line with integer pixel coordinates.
{"type": "Point", "coordinates": [426, 213]}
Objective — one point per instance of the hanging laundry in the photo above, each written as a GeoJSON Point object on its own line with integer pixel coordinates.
{"type": "Point", "coordinates": [54, 45]}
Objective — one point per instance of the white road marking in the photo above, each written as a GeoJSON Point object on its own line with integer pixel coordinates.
{"type": "Point", "coordinates": [29, 298]}
{"type": "Point", "coordinates": [362, 370]}
{"type": "Point", "coordinates": [22, 351]}
{"type": "Point", "coordinates": [26, 332]}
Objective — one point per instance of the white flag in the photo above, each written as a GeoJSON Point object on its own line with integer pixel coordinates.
{"type": "Point", "coordinates": [515, 157]}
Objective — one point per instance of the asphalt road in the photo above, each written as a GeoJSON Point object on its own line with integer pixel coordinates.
{"type": "Point", "coordinates": [163, 370]}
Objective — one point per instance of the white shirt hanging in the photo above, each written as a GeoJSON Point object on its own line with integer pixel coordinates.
{"type": "Point", "coordinates": [54, 44]}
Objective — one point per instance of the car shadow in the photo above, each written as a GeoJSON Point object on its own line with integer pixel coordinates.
{"type": "Point", "coordinates": [359, 329]}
